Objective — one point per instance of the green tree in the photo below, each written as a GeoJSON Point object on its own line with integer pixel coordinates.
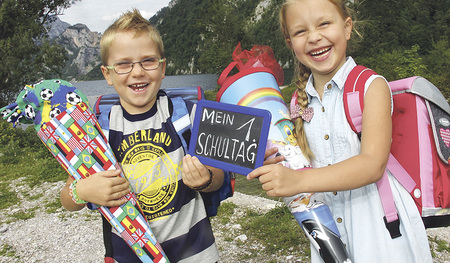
{"type": "Point", "coordinates": [438, 65]}
{"type": "Point", "coordinates": [26, 54]}
{"type": "Point", "coordinates": [222, 29]}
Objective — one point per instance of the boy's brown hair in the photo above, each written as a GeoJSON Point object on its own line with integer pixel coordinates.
{"type": "Point", "coordinates": [131, 20]}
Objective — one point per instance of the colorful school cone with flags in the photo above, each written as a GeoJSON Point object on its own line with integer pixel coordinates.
{"type": "Point", "coordinates": [69, 129]}
{"type": "Point", "coordinates": [257, 85]}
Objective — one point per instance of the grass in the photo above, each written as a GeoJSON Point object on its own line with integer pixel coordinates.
{"type": "Point", "coordinates": [438, 245]}
{"type": "Point", "coordinates": [22, 154]}
{"type": "Point", "coordinates": [7, 250]}
{"type": "Point", "coordinates": [277, 230]}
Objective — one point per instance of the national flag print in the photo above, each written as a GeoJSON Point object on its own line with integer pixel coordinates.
{"type": "Point", "coordinates": [107, 213]}
{"type": "Point", "coordinates": [116, 224]}
{"type": "Point", "coordinates": [78, 114]}
{"type": "Point", "coordinates": [50, 133]}
{"type": "Point", "coordinates": [99, 157]}
{"type": "Point", "coordinates": [128, 238]}
{"type": "Point", "coordinates": [90, 130]}
{"type": "Point", "coordinates": [52, 147]}
{"type": "Point", "coordinates": [81, 149]}
{"type": "Point", "coordinates": [143, 223]}
{"type": "Point", "coordinates": [83, 171]}
{"type": "Point", "coordinates": [63, 147]}
{"type": "Point", "coordinates": [76, 130]}
{"type": "Point", "coordinates": [96, 168]}
{"type": "Point", "coordinates": [128, 225]}
{"type": "Point", "coordinates": [140, 238]}
{"type": "Point", "coordinates": [66, 120]}
{"type": "Point", "coordinates": [131, 210]}
{"type": "Point", "coordinates": [74, 144]}
{"type": "Point", "coordinates": [74, 160]}
{"type": "Point", "coordinates": [138, 250]}
{"type": "Point", "coordinates": [119, 214]}
{"type": "Point", "coordinates": [152, 249]}
{"type": "Point", "coordinates": [88, 144]}
{"type": "Point", "coordinates": [62, 132]}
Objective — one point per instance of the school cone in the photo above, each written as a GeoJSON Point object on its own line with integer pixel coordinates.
{"type": "Point", "coordinates": [257, 85]}
{"type": "Point", "coordinates": [69, 129]}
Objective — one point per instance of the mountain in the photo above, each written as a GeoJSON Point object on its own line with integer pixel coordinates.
{"type": "Point", "coordinates": [57, 27]}
{"type": "Point", "coordinates": [82, 46]}
{"type": "Point", "coordinates": [199, 36]}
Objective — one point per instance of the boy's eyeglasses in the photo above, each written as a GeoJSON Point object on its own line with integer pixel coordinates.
{"type": "Point", "coordinates": [125, 67]}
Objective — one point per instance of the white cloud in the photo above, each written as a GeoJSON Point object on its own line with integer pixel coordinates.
{"type": "Point", "coordinates": [98, 15]}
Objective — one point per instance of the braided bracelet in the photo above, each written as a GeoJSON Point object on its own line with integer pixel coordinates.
{"type": "Point", "coordinates": [207, 185]}
{"type": "Point", "coordinates": [73, 193]}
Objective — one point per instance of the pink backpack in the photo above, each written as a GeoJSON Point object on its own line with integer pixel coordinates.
{"type": "Point", "coordinates": [420, 148]}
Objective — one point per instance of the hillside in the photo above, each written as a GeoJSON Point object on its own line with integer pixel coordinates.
{"type": "Point", "coordinates": [200, 35]}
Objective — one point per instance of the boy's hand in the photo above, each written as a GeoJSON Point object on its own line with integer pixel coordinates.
{"type": "Point", "coordinates": [104, 188]}
{"type": "Point", "coordinates": [194, 173]}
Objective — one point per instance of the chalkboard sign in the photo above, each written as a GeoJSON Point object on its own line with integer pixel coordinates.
{"type": "Point", "coordinates": [229, 137]}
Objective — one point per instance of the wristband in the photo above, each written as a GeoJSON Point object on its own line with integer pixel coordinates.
{"type": "Point", "coordinates": [207, 185]}
{"type": "Point", "coordinates": [73, 193]}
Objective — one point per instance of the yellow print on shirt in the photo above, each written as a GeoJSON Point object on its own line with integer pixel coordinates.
{"type": "Point", "coordinates": [150, 171]}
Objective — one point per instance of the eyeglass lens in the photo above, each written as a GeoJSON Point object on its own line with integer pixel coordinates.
{"type": "Point", "coordinates": [147, 64]}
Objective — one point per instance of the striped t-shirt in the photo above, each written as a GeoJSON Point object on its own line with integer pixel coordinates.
{"type": "Point", "coordinates": [150, 152]}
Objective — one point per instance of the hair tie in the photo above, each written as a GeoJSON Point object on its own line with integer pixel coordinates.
{"type": "Point", "coordinates": [296, 111]}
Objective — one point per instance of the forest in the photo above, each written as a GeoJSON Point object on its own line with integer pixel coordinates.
{"type": "Point", "coordinates": [398, 38]}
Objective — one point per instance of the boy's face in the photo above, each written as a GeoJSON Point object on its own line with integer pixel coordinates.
{"type": "Point", "coordinates": [137, 89]}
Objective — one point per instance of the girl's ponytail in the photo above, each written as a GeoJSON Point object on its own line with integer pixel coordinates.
{"type": "Point", "coordinates": [302, 73]}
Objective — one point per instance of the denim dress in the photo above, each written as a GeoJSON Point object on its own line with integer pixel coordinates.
{"type": "Point", "coordinates": [358, 213]}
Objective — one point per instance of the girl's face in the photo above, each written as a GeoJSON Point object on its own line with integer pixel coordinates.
{"type": "Point", "coordinates": [318, 35]}
{"type": "Point", "coordinates": [137, 89]}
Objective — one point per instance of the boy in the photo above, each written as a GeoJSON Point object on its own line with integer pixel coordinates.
{"type": "Point", "coordinates": [146, 144]}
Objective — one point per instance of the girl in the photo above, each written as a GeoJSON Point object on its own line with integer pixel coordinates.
{"type": "Point", "coordinates": [347, 168]}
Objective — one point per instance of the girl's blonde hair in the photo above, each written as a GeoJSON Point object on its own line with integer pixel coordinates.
{"type": "Point", "coordinates": [131, 20]}
{"type": "Point", "coordinates": [302, 72]}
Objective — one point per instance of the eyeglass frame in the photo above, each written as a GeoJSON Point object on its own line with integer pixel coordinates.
{"type": "Point", "coordinates": [161, 60]}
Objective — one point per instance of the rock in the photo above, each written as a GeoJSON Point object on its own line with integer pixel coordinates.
{"type": "Point", "coordinates": [241, 238]}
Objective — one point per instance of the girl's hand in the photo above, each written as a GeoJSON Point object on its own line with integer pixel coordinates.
{"type": "Point", "coordinates": [104, 188]}
{"type": "Point", "coordinates": [277, 180]}
{"type": "Point", "coordinates": [273, 159]}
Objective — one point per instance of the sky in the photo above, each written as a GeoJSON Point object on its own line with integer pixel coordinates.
{"type": "Point", "coordinates": [99, 14]}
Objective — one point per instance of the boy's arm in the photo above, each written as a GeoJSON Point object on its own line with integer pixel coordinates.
{"type": "Point", "coordinates": [103, 188]}
{"type": "Point", "coordinates": [66, 199]}
{"type": "Point", "coordinates": [200, 177]}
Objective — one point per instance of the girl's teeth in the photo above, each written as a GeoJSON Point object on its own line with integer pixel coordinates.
{"type": "Point", "coordinates": [318, 53]}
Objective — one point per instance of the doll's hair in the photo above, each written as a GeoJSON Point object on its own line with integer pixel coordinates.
{"type": "Point", "coordinates": [129, 21]}
{"type": "Point", "coordinates": [302, 72]}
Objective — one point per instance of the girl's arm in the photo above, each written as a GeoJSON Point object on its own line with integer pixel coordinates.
{"type": "Point", "coordinates": [362, 169]}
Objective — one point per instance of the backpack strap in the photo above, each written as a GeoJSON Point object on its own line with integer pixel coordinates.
{"type": "Point", "coordinates": [182, 123]}
{"type": "Point", "coordinates": [181, 120]}
{"type": "Point", "coordinates": [354, 106]}
{"type": "Point", "coordinates": [354, 96]}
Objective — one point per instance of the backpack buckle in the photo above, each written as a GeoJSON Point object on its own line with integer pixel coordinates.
{"type": "Point", "coordinates": [393, 227]}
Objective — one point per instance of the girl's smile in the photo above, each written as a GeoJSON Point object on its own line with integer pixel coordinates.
{"type": "Point", "coordinates": [318, 36]}
{"type": "Point", "coordinates": [320, 54]}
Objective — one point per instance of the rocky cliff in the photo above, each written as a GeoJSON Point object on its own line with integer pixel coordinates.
{"type": "Point", "coordinates": [83, 50]}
